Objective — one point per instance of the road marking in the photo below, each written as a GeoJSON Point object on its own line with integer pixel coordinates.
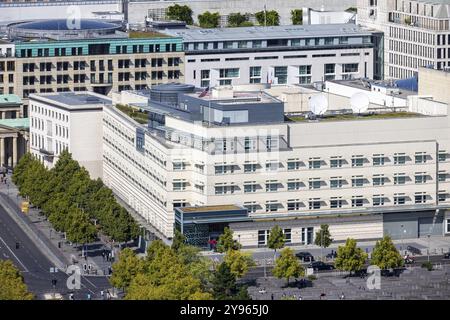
{"type": "Point", "coordinates": [25, 269]}
{"type": "Point", "coordinates": [90, 282]}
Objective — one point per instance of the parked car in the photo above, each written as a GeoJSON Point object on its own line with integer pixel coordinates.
{"type": "Point", "coordinates": [447, 255]}
{"type": "Point", "coordinates": [320, 266]}
{"type": "Point", "coordinates": [305, 256]}
{"type": "Point", "coordinates": [414, 250]}
{"type": "Point", "coordinates": [332, 255]}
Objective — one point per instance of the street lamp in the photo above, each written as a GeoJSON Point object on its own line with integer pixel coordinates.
{"type": "Point", "coordinates": [428, 251]}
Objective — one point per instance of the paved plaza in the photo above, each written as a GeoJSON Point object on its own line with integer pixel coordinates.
{"type": "Point", "coordinates": [412, 284]}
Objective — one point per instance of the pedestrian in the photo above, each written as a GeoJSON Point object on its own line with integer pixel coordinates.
{"type": "Point", "coordinates": [89, 296]}
{"type": "Point", "coordinates": [272, 297]}
{"type": "Point", "coordinates": [102, 294]}
{"type": "Point", "coordinates": [71, 296]}
{"type": "Point", "coordinates": [342, 296]}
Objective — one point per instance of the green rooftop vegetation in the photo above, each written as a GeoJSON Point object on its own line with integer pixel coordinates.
{"type": "Point", "coordinates": [146, 34]}
{"type": "Point", "coordinates": [135, 114]}
{"type": "Point", "coordinates": [345, 117]}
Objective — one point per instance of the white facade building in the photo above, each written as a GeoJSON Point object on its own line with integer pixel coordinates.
{"type": "Point", "coordinates": [416, 33]}
{"type": "Point", "coordinates": [220, 160]}
{"type": "Point", "coordinates": [71, 121]}
{"type": "Point", "coordinates": [277, 55]}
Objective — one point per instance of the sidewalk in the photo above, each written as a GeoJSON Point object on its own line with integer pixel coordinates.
{"type": "Point", "coordinates": [56, 248]}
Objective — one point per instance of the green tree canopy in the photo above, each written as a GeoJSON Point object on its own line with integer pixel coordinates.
{"type": "Point", "coordinates": [385, 255]}
{"type": "Point", "coordinates": [323, 236]}
{"type": "Point", "coordinates": [297, 16]}
{"type": "Point", "coordinates": [276, 239]}
{"type": "Point", "coordinates": [238, 19]}
{"type": "Point", "coordinates": [287, 265]}
{"type": "Point", "coordinates": [125, 269]}
{"type": "Point", "coordinates": [349, 257]}
{"type": "Point", "coordinates": [208, 19]}
{"type": "Point", "coordinates": [178, 241]}
{"type": "Point", "coordinates": [226, 241]}
{"type": "Point", "coordinates": [180, 13]}
{"type": "Point", "coordinates": [238, 262]}
{"type": "Point", "coordinates": [224, 282]}
{"type": "Point", "coordinates": [271, 18]}
{"type": "Point", "coordinates": [12, 286]}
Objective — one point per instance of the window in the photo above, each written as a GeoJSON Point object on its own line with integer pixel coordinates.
{"type": "Point", "coordinates": [179, 166]}
{"type": "Point", "coordinates": [442, 156]}
{"type": "Point", "coordinates": [304, 74]}
{"type": "Point", "coordinates": [179, 186]}
{"type": "Point", "coordinates": [204, 78]}
{"type": "Point", "coordinates": [271, 143]}
{"type": "Point", "coordinates": [420, 177]}
{"type": "Point", "coordinates": [249, 144]}
{"type": "Point", "coordinates": [442, 197]}
{"type": "Point", "coordinates": [378, 180]}
{"type": "Point", "coordinates": [399, 199]}
{"type": "Point", "coordinates": [336, 182]}
{"type": "Point", "coordinates": [271, 186]}
{"type": "Point", "coordinates": [255, 74]}
{"type": "Point", "coordinates": [271, 206]}
{"type": "Point", "coordinates": [378, 159]}
{"type": "Point", "coordinates": [224, 169]}
{"type": "Point", "coordinates": [357, 201]}
{"type": "Point", "coordinates": [293, 164]}
{"type": "Point", "coordinates": [399, 178]}
{"type": "Point", "coordinates": [399, 158]}
{"type": "Point", "coordinates": [329, 71]}
{"type": "Point", "coordinates": [250, 187]}
{"type": "Point", "coordinates": [442, 176]}
{"type": "Point", "coordinates": [281, 74]}
{"type": "Point", "coordinates": [314, 183]}
{"type": "Point", "coordinates": [336, 202]}
{"type": "Point", "coordinates": [293, 205]}
{"type": "Point", "coordinates": [249, 167]}
{"type": "Point", "coordinates": [229, 73]}
{"type": "Point", "coordinates": [263, 236]}
{"type": "Point", "coordinates": [357, 181]}
{"type": "Point", "coordinates": [293, 185]}
{"type": "Point", "coordinates": [314, 203]}
{"type": "Point", "coordinates": [271, 166]}
{"type": "Point", "coordinates": [336, 162]}
{"type": "Point", "coordinates": [378, 200]}
{"type": "Point", "coordinates": [349, 67]}
{"type": "Point", "coordinates": [420, 157]}
{"type": "Point", "coordinates": [357, 161]}
{"type": "Point", "coordinates": [287, 235]}
{"type": "Point", "coordinates": [314, 163]}
{"type": "Point", "coordinates": [420, 197]}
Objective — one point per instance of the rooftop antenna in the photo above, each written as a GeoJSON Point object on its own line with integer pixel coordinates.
{"type": "Point", "coordinates": [318, 104]}
{"type": "Point", "coordinates": [359, 102]}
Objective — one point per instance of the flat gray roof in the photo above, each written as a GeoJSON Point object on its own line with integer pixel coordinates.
{"type": "Point", "coordinates": [73, 100]}
{"type": "Point", "coordinates": [272, 32]}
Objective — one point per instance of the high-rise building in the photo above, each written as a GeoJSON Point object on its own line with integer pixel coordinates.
{"type": "Point", "coordinates": [416, 33]}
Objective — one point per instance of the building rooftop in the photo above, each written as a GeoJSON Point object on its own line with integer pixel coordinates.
{"type": "Point", "coordinates": [368, 84]}
{"type": "Point", "coordinates": [272, 32]}
{"type": "Point", "coordinates": [18, 123]}
{"type": "Point", "coordinates": [226, 207]}
{"type": "Point", "coordinates": [73, 100]}
{"type": "Point", "coordinates": [10, 99]}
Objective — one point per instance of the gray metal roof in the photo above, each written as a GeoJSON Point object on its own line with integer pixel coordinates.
{"type": "Point", "coordinates": [264, 33]}
{"type": "Point", "coordinates": [73, 100]}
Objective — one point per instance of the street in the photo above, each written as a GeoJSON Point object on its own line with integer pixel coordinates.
{"type": "Point", "coordinates": [35, 266]}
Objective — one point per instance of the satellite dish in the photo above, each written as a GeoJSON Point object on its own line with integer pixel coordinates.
{"type": "Point", "coordinates": [318, 104]}
{"type": "Point", "coordinates": [359, 102]}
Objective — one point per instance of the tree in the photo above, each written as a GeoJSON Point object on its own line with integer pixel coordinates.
{"type": "Point", "coordinates": [237, 19]}
{"type": "Point", "coordinates": [385, 255]}
{"type": "Point", "coordinates": [323, 237]}
{"type": "Point", "coordinates": [270, 18]}
{"type": "Point", "coordinates": [178, 241]}
{"type": "Point", "coordinates": [238, 262]}
{"type": "Point", "coordinates": [79, 229]}
{"type": "Point", "coordinates": [224, 282]}
{"type": "Point", "coordinates": [125, 269]}
{"type": "Point", "coordinates": [226, 241]}
{"type": "Point", "coordinates": [208, 19]}
{"type": "Point", "coordinates": [349, 257]}
{"type": "Point", "coordinates": [297, 16]}
{"type": "Point", "coordinates": [276, 239]}
{"type": "Point", "coordinates": [287, 266]}
{"type": "Point", "coordinates": [180, 13]}
{"type": "Point", "coordinates": [11, 283]}
{"type": "Point", "coordinates": [20, 169]}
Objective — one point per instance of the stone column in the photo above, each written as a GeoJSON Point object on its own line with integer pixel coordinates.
{"type": "Point", "coordinates": [2, 151]}
{"type": "Point", "coordinates": [14, 156]}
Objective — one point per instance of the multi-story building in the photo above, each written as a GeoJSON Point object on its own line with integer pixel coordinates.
{"type": "Point", "coordinates": [278, 55]}
{"type": "Point", "coordinates": [416, 33]}
{"type": "Point", "coordinates": [97, 57]}
{"type": "Point", "coordinates": [69, 120]}
{"type": "Point", "coordinates": [228, 157]}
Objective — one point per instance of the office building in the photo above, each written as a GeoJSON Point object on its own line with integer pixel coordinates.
{"type": "Point", "coordinates": [203, 161]}
{"type": "Point", "coordinates": [416, 33]}
{"type": "Point", "coordinates": [278, 55]}
{"type": "Point", "coordinates": [69, 120]}
{"type": "Point", "coordinates": [49, 57]}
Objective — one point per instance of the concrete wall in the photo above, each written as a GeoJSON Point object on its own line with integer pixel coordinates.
{"type": "Point", "coordinates": [137, 10]}
{"type": "Point", "coordinates": [435, 83]}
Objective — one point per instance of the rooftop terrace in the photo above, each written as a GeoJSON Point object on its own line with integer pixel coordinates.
{"type": "Point", "coordinates": [352, 116]}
